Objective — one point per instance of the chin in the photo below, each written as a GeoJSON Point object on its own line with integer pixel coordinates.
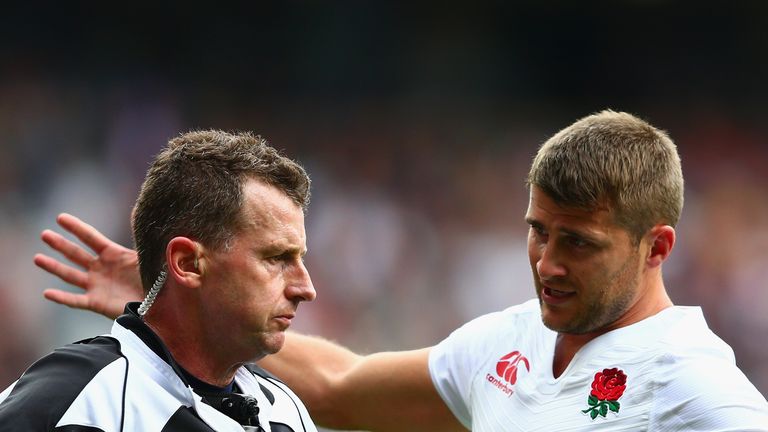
{"type": "Point", "coordinates": [560, 324]}
{"type": "Point", "coordinates": [549, 321]}
{"type": "Point", "coordinates": [274, 343]}
{"type": "Point", "coordinates": [551, 315]}
{"type": "Point", "coordinates": [553, 325]}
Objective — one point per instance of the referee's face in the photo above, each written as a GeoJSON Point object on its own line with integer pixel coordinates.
{"type": "Point", "coordinates": [586, 270]}
{"type": "Point", "coordinates": [253, 287]}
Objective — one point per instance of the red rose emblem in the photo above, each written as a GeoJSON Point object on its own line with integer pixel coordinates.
{"type": "Point", "coordinates": [607, 388]}
{"type": "Point", "coordinates": [609, 384]}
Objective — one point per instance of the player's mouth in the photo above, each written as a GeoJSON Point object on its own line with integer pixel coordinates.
{"type": "Point", "coordinates": [553, 296]}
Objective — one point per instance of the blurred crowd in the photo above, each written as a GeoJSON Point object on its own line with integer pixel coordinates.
{"type": "Point", "coordinates": [416, 222]}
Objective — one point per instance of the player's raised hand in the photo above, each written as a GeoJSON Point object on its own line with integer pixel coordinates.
{"type": "Point", "coordinates": [110, 278]}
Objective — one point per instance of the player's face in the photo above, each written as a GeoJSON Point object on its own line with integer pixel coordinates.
{"type": "Point", "coordinates": [253, 287]}
{"type": "Point", "coordinates": [585, 268]}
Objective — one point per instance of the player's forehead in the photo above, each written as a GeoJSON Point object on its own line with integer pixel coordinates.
{"type": "Point", "coordinates": [543, 210]}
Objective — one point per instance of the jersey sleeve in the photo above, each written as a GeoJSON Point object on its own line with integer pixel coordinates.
{"type": "Point", "coordinates": [711, 396]}
{"type": "Point", "coordinates": [454, 362]}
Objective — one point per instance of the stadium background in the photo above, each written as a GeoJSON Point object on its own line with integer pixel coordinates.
{"type": "Point", "coordinates": [417, 124]}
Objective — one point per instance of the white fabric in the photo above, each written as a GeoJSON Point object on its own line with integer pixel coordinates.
{"type": "Point", "coordinates": [169, 389]}
{"type": "Point", "coordinates": [680, 377]}
{"type": "Point", "coordinates": [137, 391]}
{"type": "Point", "coordinates": [95, 406]}
{"type": "Point", "coordinates": [154, 391]}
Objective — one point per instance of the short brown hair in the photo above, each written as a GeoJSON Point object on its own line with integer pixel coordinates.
{"type": "Point", "coordinates": [194, 188]}
{"type": "Point", "coordinates": [617, 159]}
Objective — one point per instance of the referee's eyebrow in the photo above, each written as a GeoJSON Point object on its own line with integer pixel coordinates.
{"type": "Point", "coordinates": [531, 221]}
{"type": "Point", "coordinates": [282, 249]}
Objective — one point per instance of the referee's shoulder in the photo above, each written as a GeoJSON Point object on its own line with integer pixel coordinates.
{"type": "Point", "coordinates": [78, 361]}
{"type": "Point", "coordinates": [49, 386]}
{"type": "Point", "coordinates": [70, 366]}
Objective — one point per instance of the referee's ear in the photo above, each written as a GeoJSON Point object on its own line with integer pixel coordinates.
{"type": "Point", "coordinates": [185, 262]}
{"type": "Point", "coordinates": [661, 239]}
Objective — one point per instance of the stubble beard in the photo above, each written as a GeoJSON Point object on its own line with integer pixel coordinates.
{"type": "Point", "coordinates": [603, 307]}
{"type": "Point", "coordinates": [272, 342]}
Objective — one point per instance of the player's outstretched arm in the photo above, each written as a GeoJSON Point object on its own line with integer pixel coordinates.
{"type": "Point", "coordinates": [110, 278]}
{"type": "Point", "coordinates": [389, 391]}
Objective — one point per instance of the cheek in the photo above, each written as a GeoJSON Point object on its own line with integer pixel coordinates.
{"type": "Point", "coordinates": [261, 294]}
{"type": "Point", "coordinates": [629, 275]}
{"type": "Point", "coordinates": [533, 252]}
{"type": "Point", "coordinates": [617, 279]}
{"type": "Point", "coordinates": [590, 278]}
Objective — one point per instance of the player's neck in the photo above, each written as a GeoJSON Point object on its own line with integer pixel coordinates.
{"type": "Point", "coordinates": [566, 347]}
{"type": "Point", "coordinates": [649, 304]}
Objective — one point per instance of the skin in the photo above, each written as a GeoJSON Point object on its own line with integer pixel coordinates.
{"type": "Point", "coordinates": [110, 278]}
{"type": "Point", "coordinates": [233, 307]}
{"type": "Point", "coordinates": [585, 269]}
{"type": "Point", "coordinates": [590, 277]}
{"type": "Point", "coordinates": [606, 282]}
{"type": "Point", "coordinates": [399, 381]}
{"type": "Point", "coordinates": [222, 308]}
{"type": "Point", "coordinates": [388, 391]}
{"type": "Point", "coordinates": [259, 281]}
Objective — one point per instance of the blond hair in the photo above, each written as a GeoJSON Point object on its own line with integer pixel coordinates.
{"type": "Point", "coordinates": [615, 159]}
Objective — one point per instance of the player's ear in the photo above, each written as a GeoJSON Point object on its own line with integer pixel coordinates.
{"type": "Point", "coordinates": [184, 257]}
{"type": "Point", "coordinates": [661, 239]}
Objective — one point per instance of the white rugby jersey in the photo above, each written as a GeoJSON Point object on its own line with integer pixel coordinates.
{"type": "Point", "coordinates": [127, 381]}
{"type": "Point", "coordinates": [669, 372]}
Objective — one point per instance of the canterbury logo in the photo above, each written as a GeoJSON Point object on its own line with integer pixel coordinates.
{"type": "Point", "coordinates": [507, 366]}
{"type": "Point", "coordinates": [506, 369]}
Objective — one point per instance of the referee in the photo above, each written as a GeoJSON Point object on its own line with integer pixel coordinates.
{"type": "Point", "coordinates": [219, 226]}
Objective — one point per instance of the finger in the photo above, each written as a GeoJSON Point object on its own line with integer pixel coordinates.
{"type": "Point", "coordinates": [77, 301]}
{"type": "Point", "coordinates": [69, 249]}
{"type": "Point", "coordinates": [89, 235]}
{"type": "Point", "coordinates": [64, 272]}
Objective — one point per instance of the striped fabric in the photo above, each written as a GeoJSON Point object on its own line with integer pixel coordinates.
{"type": "Point", "coordinates": [127, 381]}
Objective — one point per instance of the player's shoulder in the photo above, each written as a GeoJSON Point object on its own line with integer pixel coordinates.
{"type": "Point", "coordinates": [484, 333]}
{"type": "Point", "coordinates": [706, 391]}
{"type": "Point", "coordinates": [697, 366]}
{"type": "Point", "coordinates": [687, 337]}
{"type": "Point", "coordinates": [523, 314]}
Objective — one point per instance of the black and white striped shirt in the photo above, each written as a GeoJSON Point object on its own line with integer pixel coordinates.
{"type": "Point", "coordinates": [127, 381]}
